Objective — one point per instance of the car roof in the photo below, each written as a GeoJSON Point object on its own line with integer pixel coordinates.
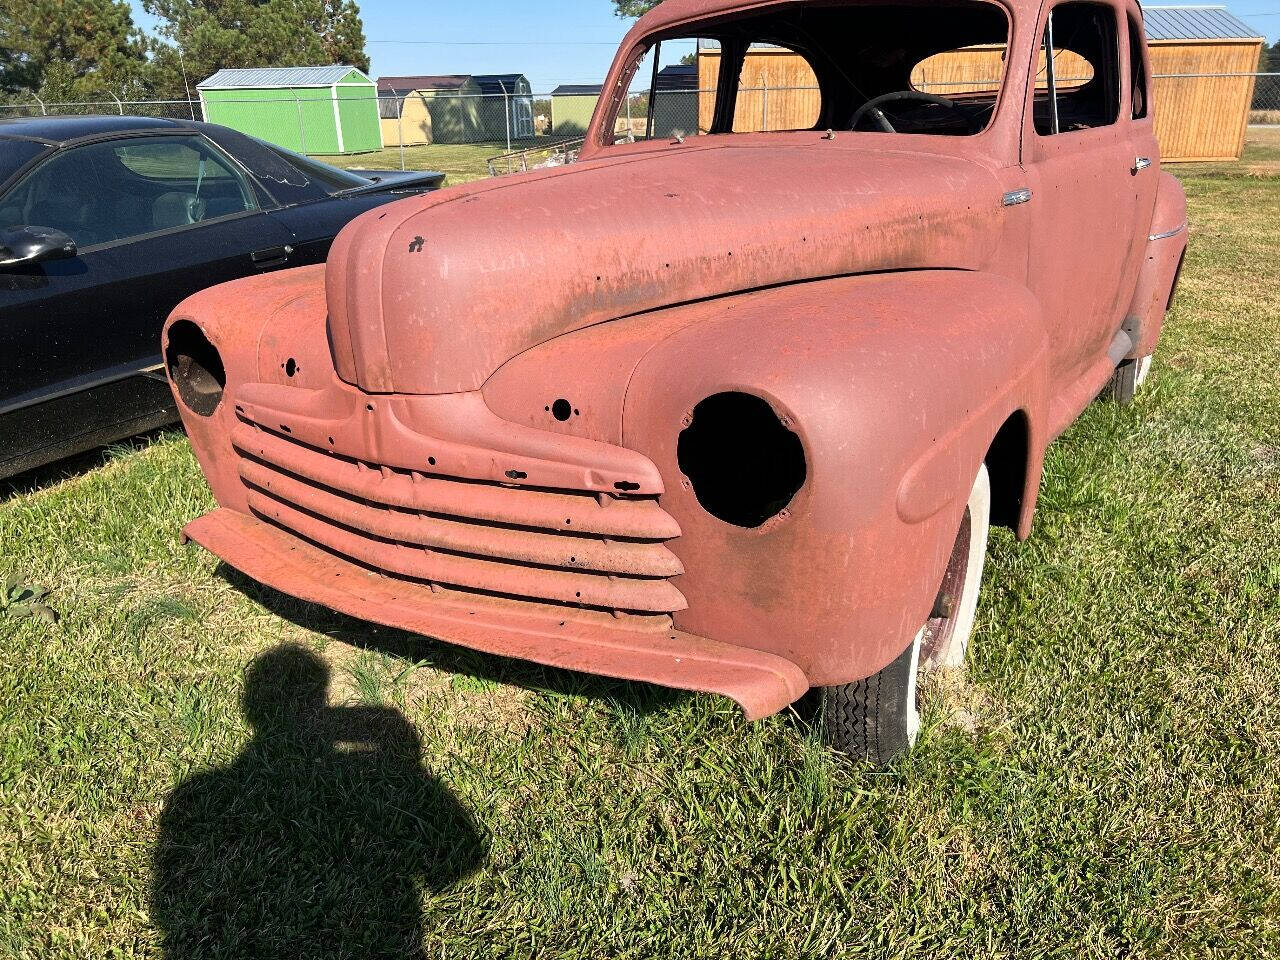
{"type": "Point", "coordinates": [57, 130]}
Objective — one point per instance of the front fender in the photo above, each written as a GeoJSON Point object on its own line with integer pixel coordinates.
{"type": "Point", "coordinates": [257, 325]}
{"type": "Point", "coordinates": [896, 385]}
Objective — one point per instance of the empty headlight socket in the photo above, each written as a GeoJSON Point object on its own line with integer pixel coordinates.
{"type": "Point", "coordinates": [741, 458]}
{"type": "Point", "coordinates": [195, 367]}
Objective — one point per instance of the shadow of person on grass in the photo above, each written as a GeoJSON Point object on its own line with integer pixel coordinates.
{"type": "Point", "coordinates": [317, 841]}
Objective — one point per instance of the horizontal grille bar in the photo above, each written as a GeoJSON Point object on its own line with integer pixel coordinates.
{"type": "Point", "coordinates": [622, 593]}
{"type": "Point", "coordinates": [632, 558]}
{"type": "Point", "coordinates": [633, 519]}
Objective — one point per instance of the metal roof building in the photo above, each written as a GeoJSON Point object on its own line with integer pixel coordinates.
{"type": "Point", "coordinates": [1202, 58]}
{"type": "Point", "coordinates": [324, 110]}
{"type": "Point", "coordinates": [1194, 23]}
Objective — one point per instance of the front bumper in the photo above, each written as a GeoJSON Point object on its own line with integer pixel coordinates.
{"type": "Point", "coordinates": [592, 641]}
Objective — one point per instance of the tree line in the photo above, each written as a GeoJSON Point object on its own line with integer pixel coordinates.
{"type": "Point", "coordinates": [78, 50]}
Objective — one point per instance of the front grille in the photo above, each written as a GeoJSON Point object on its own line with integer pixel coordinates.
{"type": "Point", "coordinates": [563, 546]}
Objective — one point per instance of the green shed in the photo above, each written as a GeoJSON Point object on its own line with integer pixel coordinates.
{"type": "Point", "coordinates": [324, 110]}
{"type": "Point", "coordinates": [572, 105]}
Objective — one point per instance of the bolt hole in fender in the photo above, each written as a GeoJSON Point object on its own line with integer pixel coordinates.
{"type": "Point", "coordinates": [743, 463]}
{"type": "Point", "coordinates": [878, 718]}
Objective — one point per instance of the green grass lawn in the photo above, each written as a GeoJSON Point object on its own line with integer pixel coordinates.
{"type": "Point", "coordinates": [1105, 782]}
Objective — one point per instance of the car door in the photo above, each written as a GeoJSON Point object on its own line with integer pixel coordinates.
{"type": "Point", "coordinates": [1080, 164]}
{"type": "Point", "coordinates": [155, 219]}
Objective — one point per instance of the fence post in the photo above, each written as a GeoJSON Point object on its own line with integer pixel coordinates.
{"type": "Point", "coordinates": [764, 103]}
{"type": "Point", "coordinates": [400, 128]}
{"type": "Point", "coordinates": [302, 134]}
{"type": "Point", "coordinates": [506, 114]}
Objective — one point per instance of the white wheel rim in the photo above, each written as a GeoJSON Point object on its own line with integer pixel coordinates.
{"type": "Point", "coordinates": [1140, 375]}
{"type": "Point", "coordinates": [913, 709]}
{"type": "Point", "coordinates": [950, 652]}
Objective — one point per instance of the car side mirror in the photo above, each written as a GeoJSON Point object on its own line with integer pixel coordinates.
{"type": "Point", "coordinates": [20, 246]}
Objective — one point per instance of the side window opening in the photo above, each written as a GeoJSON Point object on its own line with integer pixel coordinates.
{"type": "Point", "coordinates": [1137, 70]}
{"type": "Point", "coordinates": [118, 189]}
{"type": "Point", "coordinates": [1077, 81]}
{"type": "Point", "coordinates": [777, 90]}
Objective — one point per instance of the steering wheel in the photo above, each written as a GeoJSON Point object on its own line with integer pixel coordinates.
{"type": "Point", "coordinates": [872, 107]}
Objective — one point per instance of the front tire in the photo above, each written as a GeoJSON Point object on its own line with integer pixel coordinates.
{"type": "Point", "coordinates": [878, 718]}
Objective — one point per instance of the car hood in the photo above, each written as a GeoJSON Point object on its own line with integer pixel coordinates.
{"type": "Point", "coordinates": [434, 293]}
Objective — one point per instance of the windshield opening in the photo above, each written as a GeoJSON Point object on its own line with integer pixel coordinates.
{"type": "Point", "coordinates": [905, 67]}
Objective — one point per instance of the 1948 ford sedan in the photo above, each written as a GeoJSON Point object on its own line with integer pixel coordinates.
{"type": "Point", "coordinates": [735, 409]}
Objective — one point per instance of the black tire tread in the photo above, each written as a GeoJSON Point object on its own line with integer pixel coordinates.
{"type": "Point", "coordinates": [1122, 387]}
{"type": "Point", "coordinates": [867, 719]}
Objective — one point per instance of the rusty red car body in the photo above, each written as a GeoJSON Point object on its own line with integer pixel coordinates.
{"type": "Point", "coordinates": [491, 444]}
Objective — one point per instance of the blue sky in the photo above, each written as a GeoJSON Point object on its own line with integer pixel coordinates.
{"type": "Point", "coordinates": [551, 42]}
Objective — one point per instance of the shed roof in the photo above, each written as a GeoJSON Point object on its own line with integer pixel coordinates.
{"type": "Point", "coordinates": [678, 76]}
{"type": "Point", "coordinates": [499, 82]}
{"type": "Point", "coordinates": [1195, 23]}
{"type": "Point", "coordinates": [233, 78]}
{"type": "Point", "coordinates": [401, 85]}
{"type": "Point", "coordinates": [578, 90]}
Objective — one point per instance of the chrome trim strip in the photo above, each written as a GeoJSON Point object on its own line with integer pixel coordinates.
{"type": "Point", "coordinates": [1015, 197]}
{"type": "Point", "coordinates": [1168, 233]}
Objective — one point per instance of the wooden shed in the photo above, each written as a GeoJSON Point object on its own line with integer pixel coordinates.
{"type": "Point", "coordinates": [506, 109]}
{"type": "Point", "coordinates": [432, 109]}
{"type": "Point", "coordinates": [1201, 110]}
{"type": "Point", "coordinates": [1202, 62]}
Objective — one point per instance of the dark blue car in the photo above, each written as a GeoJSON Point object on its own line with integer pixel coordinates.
{"type": "Point", "coordinates": [106, 223]}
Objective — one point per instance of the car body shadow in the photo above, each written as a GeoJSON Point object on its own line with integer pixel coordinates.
{"type": "Point", "coordinates": [320, 839]}
{"type": "Point", "coordinates": [626, 695]}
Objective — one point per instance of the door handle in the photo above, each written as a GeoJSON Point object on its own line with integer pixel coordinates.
{"type": "Point", "coordinates": [1141, 163]}
{"type": "Point", "coordinates": [271, 256]}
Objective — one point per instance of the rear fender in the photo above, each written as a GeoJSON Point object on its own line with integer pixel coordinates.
{"type": "Point", "coordinates": [1166, 246]}
{"type": "Point", "coordinates": [896, 385]}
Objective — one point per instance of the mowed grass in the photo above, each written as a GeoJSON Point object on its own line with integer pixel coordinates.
{"type": "Point", "coordinates": [1104, 783]}
{"type": "Point", "coordinates": [462, 162]}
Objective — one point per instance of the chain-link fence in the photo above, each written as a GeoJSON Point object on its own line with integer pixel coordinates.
{"type": "Point", "coordinates": [1198, 116]}
{"type": "Point", "coordinates": [1265, 106]}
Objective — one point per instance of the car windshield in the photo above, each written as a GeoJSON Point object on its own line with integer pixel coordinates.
{"type": "Point", "coordinates": [876, 67]}
{"type": "Point", "coordinates": [330, 179]}
{"type": "Point", "coordinates": [15, 154]}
